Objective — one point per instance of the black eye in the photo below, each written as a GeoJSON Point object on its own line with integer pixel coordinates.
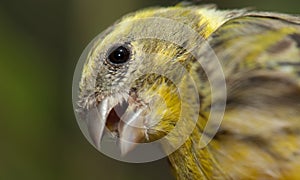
{"type": "Point", "coordinates": [119, 55]}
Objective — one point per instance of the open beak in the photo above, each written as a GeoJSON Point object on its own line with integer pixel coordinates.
{"type": "Point", "coordinates": [126, 120]}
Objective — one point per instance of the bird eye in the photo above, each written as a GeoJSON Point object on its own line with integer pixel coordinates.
{"type": "Point", "coordinates": [119, 55]}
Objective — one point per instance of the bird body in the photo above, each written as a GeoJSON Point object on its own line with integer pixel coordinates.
{"type": "Point", "coordinates": [259, 55]}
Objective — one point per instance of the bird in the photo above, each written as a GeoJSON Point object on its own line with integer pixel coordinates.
{"type": "Point", "coordinates": [163, 72]}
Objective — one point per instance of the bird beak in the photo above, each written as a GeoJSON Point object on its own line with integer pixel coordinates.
{"type": "Point", "coordinates": [131, 129]}
{"type": "Point", "coordinates": [96, 119]}
{"type": "Point", "coordinates": [125, 120]}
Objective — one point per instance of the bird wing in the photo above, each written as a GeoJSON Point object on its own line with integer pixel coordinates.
{"type": "Point", "coordinates": [260, 133]}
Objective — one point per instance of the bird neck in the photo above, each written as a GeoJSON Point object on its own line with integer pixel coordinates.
{"type": "Point", "coordinates": [191, 160]}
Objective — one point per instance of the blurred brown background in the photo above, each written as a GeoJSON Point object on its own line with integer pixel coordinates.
{"type": "Point", "coordinates": [40, 43]}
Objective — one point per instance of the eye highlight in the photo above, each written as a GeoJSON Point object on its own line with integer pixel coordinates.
{"type": "Point", "coordinates": [119, 55]}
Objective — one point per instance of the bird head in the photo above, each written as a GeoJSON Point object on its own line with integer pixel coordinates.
{"type": "Point", "coordinates": [136, 82]}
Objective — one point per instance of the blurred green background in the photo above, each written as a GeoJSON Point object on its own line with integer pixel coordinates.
{"type": "Point", "coordinates": [40, 43]}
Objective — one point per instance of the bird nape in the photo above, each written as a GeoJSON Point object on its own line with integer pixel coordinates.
{"type": "Point", "coordinates": [157, 65]}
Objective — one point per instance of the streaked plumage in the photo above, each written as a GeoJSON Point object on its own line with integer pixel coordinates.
{"type": "Point", "coordinates": [259, 52]}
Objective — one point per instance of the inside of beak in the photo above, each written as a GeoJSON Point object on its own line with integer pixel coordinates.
{"type": "Point", "coordinates": [114, 117]}
{"type": "Point", "coordinates": [127, 122]}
